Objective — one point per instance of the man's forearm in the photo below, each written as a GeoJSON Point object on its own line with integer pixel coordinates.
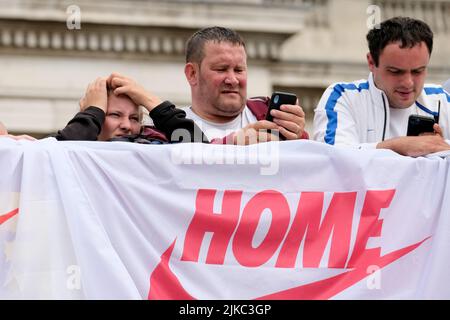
{"type": "Point", "coordinates": [86, 125]}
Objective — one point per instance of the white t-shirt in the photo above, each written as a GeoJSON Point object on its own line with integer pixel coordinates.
{"type": "Point", "coordinates": [219, 130]}
{"type": "Point", "coordinates": [398, 125]}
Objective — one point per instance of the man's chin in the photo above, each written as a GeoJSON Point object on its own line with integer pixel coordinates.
{"type": "Point", "coordinates": [401, 104]}
{"type": "Point", "coordinates": [230, 109]}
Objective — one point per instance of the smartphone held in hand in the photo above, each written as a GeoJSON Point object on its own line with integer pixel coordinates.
{"type": "Point", "coordinates": [278, 99]}
{"type": "Point", "coordinates": [419, 124]}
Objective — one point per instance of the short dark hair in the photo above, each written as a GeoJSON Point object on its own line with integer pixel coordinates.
{"type": "Point", "coordinates": [407, 30]}
{"type": "Point", "coordinates": [196, 43]}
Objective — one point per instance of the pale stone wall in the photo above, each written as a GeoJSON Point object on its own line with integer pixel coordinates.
{"type": "Point", "coordinates": [293, 45]}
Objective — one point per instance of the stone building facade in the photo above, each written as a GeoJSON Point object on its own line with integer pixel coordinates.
{"type": "Point", "coordinates": [301, 46]}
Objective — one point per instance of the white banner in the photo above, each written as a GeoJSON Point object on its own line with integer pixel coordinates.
{"type": "Point", "coordinates": [291, 220]}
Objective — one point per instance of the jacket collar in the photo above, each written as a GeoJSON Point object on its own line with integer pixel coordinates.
{"type": "Point", "coordinates": [376, 94]}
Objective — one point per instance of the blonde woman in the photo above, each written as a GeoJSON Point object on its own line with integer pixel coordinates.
{"type": "Point", "coordinates": [114, 115]}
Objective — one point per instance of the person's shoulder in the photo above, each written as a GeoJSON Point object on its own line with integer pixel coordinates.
{"type": "Point", "coordinates": [187, 110]}
{"type": "Point", "coordinates": [258, 106]}
{"type": "Point", "coordinates": [435, 89]}
{"type": "Point", "coordinates": [258, 100]}
{"type": "Point", "coordinates": [150, 132]}
{"type": "Point", "coordinates": [431, 93]}
{"type": "Point", "coordinates": [352, 85]}
{"type": "Point", "coordinates": [351, 90]}
{"type": "Point", "coordinates": [432, 85]}
{"type": "Point", "coordinates": [446, 85]}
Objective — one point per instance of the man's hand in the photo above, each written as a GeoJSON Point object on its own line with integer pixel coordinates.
{"type": "Point", "coordinates": [437, 130]}
{"type": "Point", "coordinates": [291, 119]}
{"type": "Point", "coordinates": [4, 133]}
{"type": "Point", "coordinates": [123, 85]}
{"type": "Point", "coordinates": [416, 146]}
{"type": "Point", "coordinates": [21, 137]}
{"type": "Point", "coordinates": [3, 130]}
{"type": "Point", "coordinates": [260, 131]}
{"type": "Point", "coordinates": [96, 95]}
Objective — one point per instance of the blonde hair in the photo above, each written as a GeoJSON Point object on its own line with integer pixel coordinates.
{"type": "Point", "coordinates": [141, 110]}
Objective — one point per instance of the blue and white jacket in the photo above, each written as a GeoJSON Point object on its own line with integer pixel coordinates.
{"type": "Point", "coordinates": [357, 113]}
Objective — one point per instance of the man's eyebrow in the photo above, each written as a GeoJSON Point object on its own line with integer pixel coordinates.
{"type": "Point", "coordinates": [114, 111]}
{"type": "Point", "coordinates": [395, 68]}
{"type": "Point", "coordinates": [399, 69]}
{"type": "Point", "coordinates": [219, 64]}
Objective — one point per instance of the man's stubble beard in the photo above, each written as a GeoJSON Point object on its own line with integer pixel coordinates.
{"type": "Point", "coordinates": [220, 107]}
{"type": "Point", "coordinates": [230, 109]}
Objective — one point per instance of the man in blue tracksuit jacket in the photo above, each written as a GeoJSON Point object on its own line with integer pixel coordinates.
{"type": "Point", "coordinates": [374, 113]}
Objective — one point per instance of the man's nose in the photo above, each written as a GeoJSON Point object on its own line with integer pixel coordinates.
{"type": "Point", "coordinates": [407, 80]}
{"type": "Point", "coordinates": [125, 124]}
{"type": "Point", "coordinates": [231, 78]}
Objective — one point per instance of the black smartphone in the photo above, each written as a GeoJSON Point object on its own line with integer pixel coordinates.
{"type": "Point", "coordinates": [419, 124]}
{"type": "Point", "coordinates": [279, 98]}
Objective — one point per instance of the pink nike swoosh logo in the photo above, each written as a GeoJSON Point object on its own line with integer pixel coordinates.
{"type": "Point", "coordinates": [327, 288]}
{"type": "Point", "coordinates": [5, 217]}
{"type": "Point", "coordinates": [164, 284]}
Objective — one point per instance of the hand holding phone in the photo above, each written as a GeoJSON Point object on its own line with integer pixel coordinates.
{"type": "Point", "coordinates": [278, 99]}
{"type": "Point", "coordinates": [419, 124]}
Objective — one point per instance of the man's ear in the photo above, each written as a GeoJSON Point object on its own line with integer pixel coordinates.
{"type": "Point", "coordinates": [370, 62]}
{"type": "Point", "coordinates": [191, 71]}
